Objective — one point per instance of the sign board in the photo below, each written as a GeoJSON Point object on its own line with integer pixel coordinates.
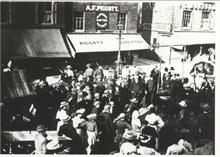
{"type": "Point", "coordinates": [107, 42]}
{"type": "Point", "coordinates": [102, 8]}
{"type": "Point", "coordinates": [102, 21]}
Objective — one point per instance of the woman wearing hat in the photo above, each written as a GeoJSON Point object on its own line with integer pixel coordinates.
{"type": "Point", "coordinates": [40, 140]}
{"type": "Point", "coordinates": [78, 120]}
{"type": "Point", "coordinates": [62, 112]}
{"type": "Point", "coordinates": [144, 149]}
{"type": "Point", "coordinates": [129, 143]}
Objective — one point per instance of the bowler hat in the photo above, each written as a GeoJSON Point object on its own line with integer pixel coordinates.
{"type": "Point", "coordinates": [41, 127]}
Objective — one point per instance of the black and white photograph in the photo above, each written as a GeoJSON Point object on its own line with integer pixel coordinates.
{"type": "Point", "coordinates": [108, 77]}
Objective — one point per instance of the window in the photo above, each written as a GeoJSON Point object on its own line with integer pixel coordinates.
{"type": "Point", "coordinates": [6, 13]}
{"type": "Point", "coordinates": [48, 13]}
{"type": "Point", "coordinates": [122, 19]}
{"type": "Point", "coordinates": [186, 18]}
{"type": "Point", "coordinates": [205, 19]}
{"type": "Point", "coordinates": [78, 22]}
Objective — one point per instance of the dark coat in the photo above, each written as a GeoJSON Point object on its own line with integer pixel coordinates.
{"type": "Point", "coordinates": [136, 88]}
{"type": "Point", "coordinates": [76, 146]}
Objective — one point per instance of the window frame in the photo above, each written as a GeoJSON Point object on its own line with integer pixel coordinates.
{"type": "Point", "coordinates": [8, 13]}
{"type": "Point", "coordinates": [83, 22]}
{"type": "Point", "coordinates": [203, 19]}
{"type": "Point", "coordinates": [184, 20]}
{"type": "Point", "coordinates": [52, 12]}
{"type": "Point", "coordinates": [125, 21]}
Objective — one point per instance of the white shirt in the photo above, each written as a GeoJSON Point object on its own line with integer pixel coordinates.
{"type": "Point", "coordinates": [154, 121]}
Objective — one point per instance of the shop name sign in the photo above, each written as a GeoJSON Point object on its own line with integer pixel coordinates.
{"type": "Point", "coordinates": [99, 42]}
{"type": "Point", "coordinates": [102, 8]}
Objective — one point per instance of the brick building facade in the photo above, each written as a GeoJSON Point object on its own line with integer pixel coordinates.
{"type": "Point", "coordinates": [78, 20]}
{"type": "Point", "coordinates": [86, 21]}
{"type": "Point", "coordinates": [128, 9]}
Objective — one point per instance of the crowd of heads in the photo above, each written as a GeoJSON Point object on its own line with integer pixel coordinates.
{"type": "Point", "coordinates": [125, 115]}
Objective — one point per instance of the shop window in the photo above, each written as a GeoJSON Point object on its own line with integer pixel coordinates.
{"type": "Point", "coordinates": [79, 21]}
{"type": "Point", "coordinates": [6, 13]}
{"type": "Point", "coordinates": [186, 18]}
{"type": "Point", "coordinates": [205, 20]}
{"type": "Point", "coordinates": [48, 13]}
{"type": "Point", "coordinates": [122, 19]}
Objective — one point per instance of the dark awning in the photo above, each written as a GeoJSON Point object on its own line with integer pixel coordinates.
{"type": "Point", "coordinates": [23, 43]}
{"type": "Point", "coordinates": [146, 57]}
{"type": "Point", "coordinates": [14, 84]}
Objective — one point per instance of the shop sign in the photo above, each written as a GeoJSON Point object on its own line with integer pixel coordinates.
{"type": "Point", "coordinates": [102, 8]}
{"type": "Point", "coordinates": [102, 20]}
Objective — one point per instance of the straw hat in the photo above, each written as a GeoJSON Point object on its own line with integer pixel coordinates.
{"type": "Point", "coordinates": [150, 106]}
{"type": "Point", "coordinates": [107, 107]}
{"type": "Point", "coordinates": [134, 100]}
{"type": "Point", "coordinates": [92, 116]}
{"type": "Point", "coordinates": [68, 66]}
{"type": "Point", "coordinates": [96, 103]}
{"type": "Point", "coordinates": [88, 65]}
{"type": "Point", "coordinates": [54, 144]}
{"type": "Point", "coordinates": [121, 115]}
{"type": "Point", "coordinates": [130, 135]}
{"type": "Point", "coordinates": [183, 103]}
{"type": "Point", "coordinates": [81, 111]}
{"type": "Point", "coordinates": [96, 94]}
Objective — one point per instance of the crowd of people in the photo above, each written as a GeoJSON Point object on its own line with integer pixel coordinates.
{"type": "Point", "coordinates": [136, 114]}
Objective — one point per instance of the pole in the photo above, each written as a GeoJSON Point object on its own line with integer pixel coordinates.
{"type": "Point", "coordinates": [119, 46]}
{"type": "Point", "coordinates": [119, 61]}
{"type": "Point", "coordinates": [159, 74]}
{"type": "Point", "coordinates": [184, 57]}
{"type": "Point", "coordinates": [170, 56]}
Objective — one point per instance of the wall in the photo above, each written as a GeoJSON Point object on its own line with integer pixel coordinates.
{"type": "Point", "coordinates": [196, 16]}
{"type": "Point", "coordinates": [129, 8]}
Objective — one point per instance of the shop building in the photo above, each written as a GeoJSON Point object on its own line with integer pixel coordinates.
{"type": "Point", "coordinates": [93, 33]}
{"type": "Point", "coordinates": [179, 31]}
{"type": "Point", "coordinates": [33, 43]}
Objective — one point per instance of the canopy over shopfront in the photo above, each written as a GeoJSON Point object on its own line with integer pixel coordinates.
{"type": "Point", "coordinates": [32, 43]}
{"type": "Point", "coordinates": [84, 43]}
{"type": "Point", "coordinates": [189, 38]}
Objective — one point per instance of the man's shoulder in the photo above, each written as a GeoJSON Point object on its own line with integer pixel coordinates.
{"type": "Point", "coordinates": [40, 138]}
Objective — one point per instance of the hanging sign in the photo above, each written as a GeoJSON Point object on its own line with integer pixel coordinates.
{"type": "Point", "coordinates": [102, 20]}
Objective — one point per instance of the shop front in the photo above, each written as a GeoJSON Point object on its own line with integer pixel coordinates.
{"type": "Point", "coordinates": [103, 48]}
{"type": "Point", "coordinates": [33, 53]}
